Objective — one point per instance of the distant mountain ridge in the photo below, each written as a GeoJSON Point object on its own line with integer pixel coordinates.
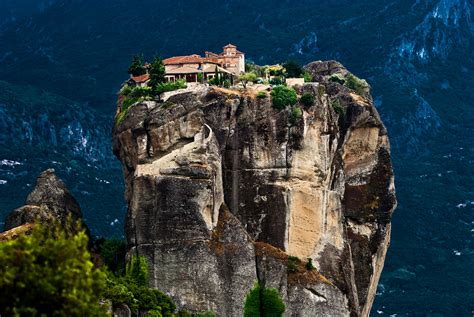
{"type": "Point", "coordinates": [14, 10]}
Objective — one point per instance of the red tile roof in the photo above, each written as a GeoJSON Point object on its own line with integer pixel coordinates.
{"type": "Point", "coordinates": [190, 59]}
{"type": "Point", "coordinates": [141, 78]}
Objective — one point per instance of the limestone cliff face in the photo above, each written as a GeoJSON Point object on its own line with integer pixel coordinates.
{"type": "Point", "coordinates": [222, 188]}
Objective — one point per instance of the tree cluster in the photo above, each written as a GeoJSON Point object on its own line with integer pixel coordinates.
{"type": "Point", "coordinates": [50, 272]}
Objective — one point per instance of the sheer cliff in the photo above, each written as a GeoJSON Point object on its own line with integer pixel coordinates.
{"type": "Point", "coordinates": [222, 188]}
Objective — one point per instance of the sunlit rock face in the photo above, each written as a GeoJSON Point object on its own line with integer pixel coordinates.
{"type": "Point", "coordinates": [222, 188]}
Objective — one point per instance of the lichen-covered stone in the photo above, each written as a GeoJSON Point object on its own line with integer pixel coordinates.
{"type": "Point", "coordinates": [212, 174]}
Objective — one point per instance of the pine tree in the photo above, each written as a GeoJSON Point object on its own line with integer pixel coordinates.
{"type": "Point", "coordinates": [157, 72]}
{"type": "Point", "coordinates": [137, 67]}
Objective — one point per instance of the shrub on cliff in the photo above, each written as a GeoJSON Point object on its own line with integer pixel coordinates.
{"type": "Point", "coordinates": [138, 92]}
{"type": "Point", "coordinates": [283, 96]}
{"type": "Point", "coordinates": [360, 86]}
{"type": "Point", "coordinates": [338, 108]}
{"type": "Point", "coordinates": [295, 115]}
{"type": "Point", "coordinates": [337, 78]}
{"type": "Point", "coordinates": [169, 86]}
{"type": "Point", "coordinates": [309, 265]}
{"type": "Point", "coordinates": [307, 76]}
{"type": "Point", "coordinates": [49, 272]}
{"type": "Point", "coordinates": [293, 263]}
{"type": "Point", "coordinates": [307, 99]}
{"type": "Point", "coordinates": [263, 302]}
{"type": "Point", "coordinates": [132, 289]}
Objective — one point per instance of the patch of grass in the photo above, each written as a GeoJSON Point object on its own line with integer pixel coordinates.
{"type": "Point", "coordinates": [292, 265]}
{"type": "Point", "coordinates": [127, 103]}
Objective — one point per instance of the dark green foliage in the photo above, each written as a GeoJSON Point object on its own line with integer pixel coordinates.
{"type": "Point", "coordinates": [226, 83]}
{"type": "Point", "coordinates": [132, 290]}
{"type": "Point", "coordinates": [337, 78]}
{"type": "Point", "coordinates": [137, 270]}
{"type": "Point", "coordinates": [157, 72]}
{"type": "Point", "coordinates": [338, 108]}
{"type": "Point", "coordinates": [126, 90]}
{"type": "Point", "coordinates": [170, 86]}
{"type": "Point", "coordinates": [137, 67]}
{"type": "Point", "coordinates": [293, 263]}
{"type": "Point", "coordinates": [138, 92]}
{"type": "Point", "coordinates": [360, 86]}
{"type": "Point", "coordinates": [295, 114]}
{"type": "Point", "coordinates": [148, 298]}
{"type": "Point", "coordinates": [307, 99]}
{"type": "Point", "coordinates": [50, 273]}
{"type": "Point", "coordinates": [261, 95]}
{"type": "Point", "coordinates": [263, 302]}
{"type": "Point", "coordinates": [292, 69]}
{"type": "Point", "coordinates": [283, 96]}
{"type": "Point", "coordinates": [112, 252]}
{"type": "Point", "coordinates": [252, 302]}
{"type": "Point", "coordinates": [276, 81]}
{"type": "Point", "coordinates": [183, 313]}
{"type": "Point", "coordinates": [154, 313]}
{"type": "Point", "coordinates": [200, 78]}
{"type": "Point", "coordinates": [118, 292]}
{"type": "Point", "coordinates": [216, 80]}
{"type": "Point", "coordinates": [307, 77]}
{"type": "Point", "coordinates": [309, 265]}
{"type": "Point", "coordinates": [127, 102]}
